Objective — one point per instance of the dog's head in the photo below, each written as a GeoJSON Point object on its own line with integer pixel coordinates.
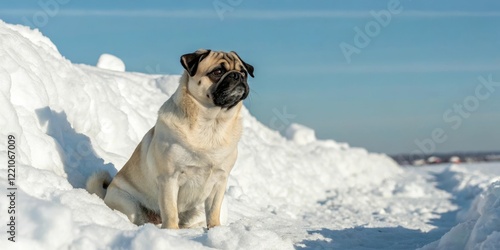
{"type": "Point", "coordinates": [217, 78]}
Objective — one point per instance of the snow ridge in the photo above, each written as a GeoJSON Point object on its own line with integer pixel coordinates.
{"type": "Point", "coordinates": [479, 217]}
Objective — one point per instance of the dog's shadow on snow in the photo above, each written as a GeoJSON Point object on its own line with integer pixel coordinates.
{"type": "Point", "coordinates": [75, 149]}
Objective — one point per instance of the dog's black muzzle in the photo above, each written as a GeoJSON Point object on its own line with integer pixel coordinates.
{"type": "Point", "coordinates": [231, 89]}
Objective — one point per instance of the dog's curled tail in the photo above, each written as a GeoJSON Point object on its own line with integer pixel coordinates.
{"type": "Point", "coordinates": [98, 183]}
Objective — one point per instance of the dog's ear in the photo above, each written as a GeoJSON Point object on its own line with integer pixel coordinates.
{"type": "Point", "coordinates": [248, 67]}
{"type": "Point", "coordinates": [190, 61]}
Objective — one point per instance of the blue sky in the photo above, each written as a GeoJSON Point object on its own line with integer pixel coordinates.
{"type": "Point", "coordinates": [389, 97]}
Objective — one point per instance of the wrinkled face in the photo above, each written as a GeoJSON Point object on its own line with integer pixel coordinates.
{"type": "Point", "coordinates": [217, 78]}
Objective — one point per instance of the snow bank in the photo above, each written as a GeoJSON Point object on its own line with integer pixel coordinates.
{"type": "Point", "coordinates": [71, 120]}
{"type": "Point", "coordinates": [300, 134]}
{"type": "Point", "coordinates": [111, 62]}
{"type": "Point", "coordinates": [479, 226]}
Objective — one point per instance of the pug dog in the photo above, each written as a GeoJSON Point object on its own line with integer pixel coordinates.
{"type": "Point", "coordinates": [180, 168]}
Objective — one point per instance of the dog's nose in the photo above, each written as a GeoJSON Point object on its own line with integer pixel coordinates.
{"type": "Point", "coordinates": [235, 75]}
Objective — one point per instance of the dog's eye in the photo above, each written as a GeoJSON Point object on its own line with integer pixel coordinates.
{"type": "Point", "coordinates": [244, 73]}
{"type": "Point", "coordinates": [217, 72]}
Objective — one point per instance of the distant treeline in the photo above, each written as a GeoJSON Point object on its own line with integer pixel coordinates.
{"type": "Point", "coordinates": [457, 157]}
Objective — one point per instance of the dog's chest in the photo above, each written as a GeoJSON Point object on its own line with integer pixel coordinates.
{"type": "Point", "coordinates": [196, 184]}
{"type": "Point", "coordinates": [201, 157]}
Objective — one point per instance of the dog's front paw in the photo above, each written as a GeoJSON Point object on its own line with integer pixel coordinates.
{"type": "Point", "coordinates": [212, 225]}
{"type": "Point", "coordinates": [170, 226]}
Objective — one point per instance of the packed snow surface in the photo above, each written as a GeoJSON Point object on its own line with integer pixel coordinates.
{"type": "Point", "coordinates": [71, 120]}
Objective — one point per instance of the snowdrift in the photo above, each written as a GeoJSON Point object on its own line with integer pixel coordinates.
{"type": "Point", "coordinates": [479, 224]}
{"type": "Point", "coordinates": [71, 120]}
